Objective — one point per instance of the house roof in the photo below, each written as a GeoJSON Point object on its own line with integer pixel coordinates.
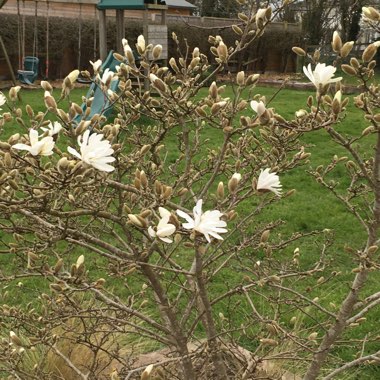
{"type": "Point", "coordinates": [129, 4]}
{"type": "Point", "coordinates": [179, 4]}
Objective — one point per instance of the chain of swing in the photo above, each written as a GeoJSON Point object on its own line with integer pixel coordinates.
{"type": "Point", "coordinates": [21, 32]}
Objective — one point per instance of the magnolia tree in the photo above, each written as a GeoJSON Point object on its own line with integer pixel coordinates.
{"type": "Point", "coordinates": [148, 231]}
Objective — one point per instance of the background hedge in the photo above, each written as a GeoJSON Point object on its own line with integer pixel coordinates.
{"type": "Point", "coordinates": [272, 52]}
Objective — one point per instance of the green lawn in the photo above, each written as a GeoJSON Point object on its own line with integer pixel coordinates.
{"type": "Point", "coordinates": [310, 208]}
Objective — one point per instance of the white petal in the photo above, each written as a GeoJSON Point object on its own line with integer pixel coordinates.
{"type": "Point", "coordinates": [198, 207]}
{"type": "Point", "coordinates": [21, 147]}
{"type": "Point", "coordinates": [168, 230]}
{"type": "Point", "coordinates": [166, 240]}
{"type": "Point", "coordinates": [188, 226]}
{"type": "Point", "coordinates": [254, 105]}
{"type": "Point", "coordinates": [33, 136]}
{"type": "Point", "coordinates": [103, 167]}
{"type": "Point", "coordinates": [151, 232]}
{"type": "Point", "coordinates": [186, 216]}
{"type": "Point", "coordinates": [74, 152]}
{"type": "Point", "coordinates": [163, 212]}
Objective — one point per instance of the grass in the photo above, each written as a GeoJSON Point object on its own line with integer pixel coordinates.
{"type": "Point", "coordinates": [311, 208]}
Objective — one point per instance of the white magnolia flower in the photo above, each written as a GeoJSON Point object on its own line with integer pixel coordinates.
{"type": "Point", "coordinates": [258, 107]}
{"type": "Point", "coordinates": [207, 223]}
{"type": "Point", "coordinates": [301, 113]}
{"type": "Point", "coordinates": [94, 151]}
{"type": "Point", "coordinates": [96, 65]}
{"type": "Point", "coordinates": [107, 77]}
{"type": "Point", "coordinates": [261, 13]}
{"type": "Point", "coordinates": [269, 182]}
{"type": "Point", "coordinates": [236, 176]}
{"type": "Point", "coordinates": [164, 228]}
{"type": "Point", "coordinates": [43, 147]}
{"type": "Point", "coordinates": [322, 74]}
{"type": "Point", "coordinates": [3, 99]}
{"type": "Point", "coordinates": [53, 128]}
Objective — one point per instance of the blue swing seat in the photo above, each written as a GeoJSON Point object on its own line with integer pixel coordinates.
{"type": "Point", "coordinates": [30, 72]}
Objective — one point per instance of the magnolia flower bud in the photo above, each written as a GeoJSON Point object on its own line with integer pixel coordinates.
{"type": "Point", "coordinates": [156, 52]}
{"type": "Point", "coordinates": [194, 63]}
{"type": "Point", "coordinates": [349, 70]}
{"type": "Point", "coordinates": [240, 78]}
{"type": "Point", "coordinates": [252, 79]}
{"type": "Point", "coordinates": [80, 261]}
{"type": "Point", "coordinates": [195, 53]}
{"type": "Point", "coordinates": [46, 85]}
{"type": "Point", "coordinates": [128, 52]}
{"type": "Point", "coordinates": [58, 266]}
{"type": "Point", "coordinates": [15, 339]}
{"type": "Point", "coordinates": [216, 107]}
{"type": "Point", "coordinates": [299, 51]}
{"type": "Point", "coordinates": [336, 42]}
{"type": "Point", "coordinates": [371, 13]}
{"type": "Point", "coordinates": [268, 342]}
{"type": "Point", "coordinates": [222, 51]}
{"type": "Point", "coordinates": [369, 52]}
{"type": "Point", "coordinates": [336, 104]}
{"type": "Point", "coordinates": [220, 190]}
{"type": "Point", "coordinates": [50, 102]}
{"type": "Point", "coordinates": [372, 249]}
{"type": "Point", "coordinates": [173, 65]}
{"type": "Point", "coordinates": [147, 371]}
{"type": "Point", "coordinates": [145, 148]}
{"type": "Point", "coordinates": [167, 192]}
{"type": "Point", "coordinates": [141, 44]}
{"type": "Point", "coordinates": [354, 63]}
{"type": "Point", "coordinates": [4, 145]}
{"type": "Point", "coordinates": [201, 112]}
{"type": "Point", "coordinates": [213, 90]}
{"type": "Point", "coordinates": [62, 165]}
{"type": "Point", "coordinates": [312, 336]}
{"type": "Point", "coordinates": [183, 191]}
{"type": "Point", "coordinates": [320, 280]}
{"type": "Point", "coordinates": [157, 82]}
{"type": "Point", "coordinates": [14, 138]}
{"type": "Point", "coordinates": [13, 93]}
{"type": "Point", "coordinates": [135, 220]}
{"type": "Point", "coordinates": [265, 236]}
{"type": "Point", "coordinates": [346, 49]}
{"type": "Point", "coordinates": [237, 30]}
{"type": "Point", "coordinates": [293, 320]}
{"type": "Point", "coordinates": [233, 182]}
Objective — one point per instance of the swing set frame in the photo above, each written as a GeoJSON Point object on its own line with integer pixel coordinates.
{"type": "Point", "coordinates": [21, 37]}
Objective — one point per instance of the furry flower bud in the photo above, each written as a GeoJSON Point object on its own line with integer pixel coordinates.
{"type": "Point", "coordinates": [156, 52]}
{"type": "Point", "coordinates": [336, 42]}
